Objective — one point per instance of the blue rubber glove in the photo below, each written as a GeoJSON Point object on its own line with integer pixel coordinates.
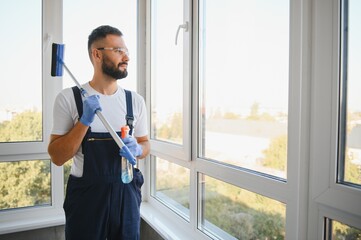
{"type": "Point", "coordinates": [133, 147]}
{"type": "Point", "coordinates": [90, 106]}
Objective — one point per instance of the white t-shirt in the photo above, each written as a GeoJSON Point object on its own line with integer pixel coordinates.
{"type": "Point", "coordinates": [114, 109]}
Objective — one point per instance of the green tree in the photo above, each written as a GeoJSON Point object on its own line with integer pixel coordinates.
{"type": "Point", "coordinates": [352, 171]}
{"type": "Point", "coordinates": [26, 126]}
{"type": "Point", "coordinates": [241, 213]}
{"type": "Point", "coordinates": [254, 115]}
{"type": "Point", "coordinates": [257, 116]}
{"type": "Point", "coordinates": [343, 231]}
{"type": "Point", "coordinates": [173, 129]}
{"type": "Point", "coordinates": [276, 155]}
{"type": "Point", "coordinates": [24, 183]}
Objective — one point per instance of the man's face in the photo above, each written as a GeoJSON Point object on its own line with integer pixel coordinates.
{"type": "Point", "coordinates": [115, 57]}
{"type": "Point", "coordinates": [114, 69]}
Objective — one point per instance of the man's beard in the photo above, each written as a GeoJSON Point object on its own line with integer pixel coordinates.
{"type": "Point", "coordinates": [113, 71]}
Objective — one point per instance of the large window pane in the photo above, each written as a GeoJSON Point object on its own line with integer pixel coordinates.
{"type": "Point", "coordinates": [172, 186]}
{"type": "Point", "coordinates": [166, 71]}
{"type": "Point", "coordinates": [117, 13]}
{"type": "Point", "coordinates": [244, 61]}
{"type": "Point", "coordinates": [350, 158]}
{"type": "Point", "coordinates": [25, 184]}
{"type": "Point", "coordinates": [20, 71]}
{"type": "Point", "coordinates": [229, 210]}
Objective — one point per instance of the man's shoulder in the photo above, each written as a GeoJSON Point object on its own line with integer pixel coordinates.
{"type": "Point", "coordinates": [135, 96]}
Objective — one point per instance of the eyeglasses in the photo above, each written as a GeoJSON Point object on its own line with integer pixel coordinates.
{"type": "Point", "coordinates": [120, 50]}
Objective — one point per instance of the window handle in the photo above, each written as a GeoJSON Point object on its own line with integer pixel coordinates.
{"type": "Point", "coordinates": [185, 27]}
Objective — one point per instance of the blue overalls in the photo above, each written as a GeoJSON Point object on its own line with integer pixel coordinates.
{"type": "Point", "coordinates": [98, 205]}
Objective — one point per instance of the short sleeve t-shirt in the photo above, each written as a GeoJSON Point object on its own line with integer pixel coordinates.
{"type": "Point", "coordinates": [114, 109]}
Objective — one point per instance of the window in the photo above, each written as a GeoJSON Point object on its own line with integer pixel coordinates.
{"type": "Point", "coordinates": [226, 209]}
{"type": "Point", "coordinates": [31, 187]}
{"type": "Point", "coordinates": [169, 80]}
{"type": "Point", "coordinates": [350, 111]}
{"type": "Point", "coordinates": [244, 84]}
{"type": "Point", "coordinates": [238, 115]}
{"type": "Point", "coordinates": [21, 107]}
{"type": "Point", "coordinates": [28, 190]}
{"type": "Point", "coordinates": [337, 230]}
{"type": "Point", "coordinates": [334, 181]}
{"type": "Point", "coordinates": [166, 72]}
{"type": "Point", "coordinates": [25, 184]}
{"type": "Point", "coordinates": [172, 186]}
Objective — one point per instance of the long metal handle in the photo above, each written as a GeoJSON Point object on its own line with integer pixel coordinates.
{"type": "Point", "coordinates": [98, 113]}
{"type": "Point", "coordinates": [110, 129]}
{"type": "Point", "coordinates": [128, 155]}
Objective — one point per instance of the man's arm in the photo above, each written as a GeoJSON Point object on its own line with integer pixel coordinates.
{"type": "Point", "coordinates": [144, 142]}
{"type": "Point", "coordinates": [63, 147]}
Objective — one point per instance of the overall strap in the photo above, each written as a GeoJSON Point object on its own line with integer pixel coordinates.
{"type": "Point", "coordinates": [78, 100]}
{"type": "Point", "coordinates": [128, 96]}
{"type": "Point", "coordinates": [129, 117]}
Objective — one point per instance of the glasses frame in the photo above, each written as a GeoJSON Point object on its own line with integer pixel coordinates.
{"type": "Point", "coordinates": [121, 50]}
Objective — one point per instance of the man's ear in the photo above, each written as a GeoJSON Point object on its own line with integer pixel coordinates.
{"type": "Point", "coordinates": [96, 55]}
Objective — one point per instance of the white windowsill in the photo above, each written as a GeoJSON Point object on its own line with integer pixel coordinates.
{"type": "Point", "coordinates": [29, 222]}
{"type": "Point", "coordinates": [162, 224]}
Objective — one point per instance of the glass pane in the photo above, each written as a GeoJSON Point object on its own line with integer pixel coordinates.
{"type": "Point", "coordinates": [244, 83]}
{"type": "Point", "coordinates": [227, 210]}
{"type": "Point", "coordinates": [166, 71]}
{"type": "Point", "coordinates": [25, 184]}
{"type": "Point", "coordinates": [340, 231]}
{"type": "Point", "coordinates": [21, 96]}
{"type": "Point", "coordinates": [352, 74]}
{"type": "Point", "coordinates": [121, 14]}
{"type": "Point", "coordinates": [172, 186]}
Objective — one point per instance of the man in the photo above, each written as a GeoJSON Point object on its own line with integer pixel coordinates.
{"type": "Point", "coordinates": [98, 205]}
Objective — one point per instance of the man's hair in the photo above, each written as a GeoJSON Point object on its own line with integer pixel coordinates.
{"type": "Point", "coordinates": [100, 33]}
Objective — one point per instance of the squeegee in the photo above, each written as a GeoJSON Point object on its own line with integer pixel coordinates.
{"type": "Point", "coordinates": [57, 65]}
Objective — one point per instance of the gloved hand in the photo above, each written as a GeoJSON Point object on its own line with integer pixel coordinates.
{"type": "Point", "coordinates": [90, 106]}
{"type": "Point", "coordinates": [133, 147]}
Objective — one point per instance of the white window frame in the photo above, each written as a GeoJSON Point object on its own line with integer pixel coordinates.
{"type": "Point", "coordinates": [175, 150]}
{"type": "Point", "coordinates": [293, 192]}
{"type": "Point", "coordinates": [327, 197]}
{"type": "Point", "coordinates": [20, 219]}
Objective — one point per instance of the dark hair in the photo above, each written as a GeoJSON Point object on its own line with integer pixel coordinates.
{"type": "Point", "coordinates": [100, 33]}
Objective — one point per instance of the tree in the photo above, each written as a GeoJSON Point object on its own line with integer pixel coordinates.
{"type": "Point", "coordinates": [254, 115]}
{"type": "Point", "coordinates": [276, 154]}
{"type": "Point", "coordinates": [173, 129]}
{"type": "Point", "coordinates": [24, 183]}
{"type": "Point", "coordinates": [26, 126]}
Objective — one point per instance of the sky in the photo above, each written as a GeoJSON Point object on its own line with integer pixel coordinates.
{"type": "Point", "coordinates": [20, 59]}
